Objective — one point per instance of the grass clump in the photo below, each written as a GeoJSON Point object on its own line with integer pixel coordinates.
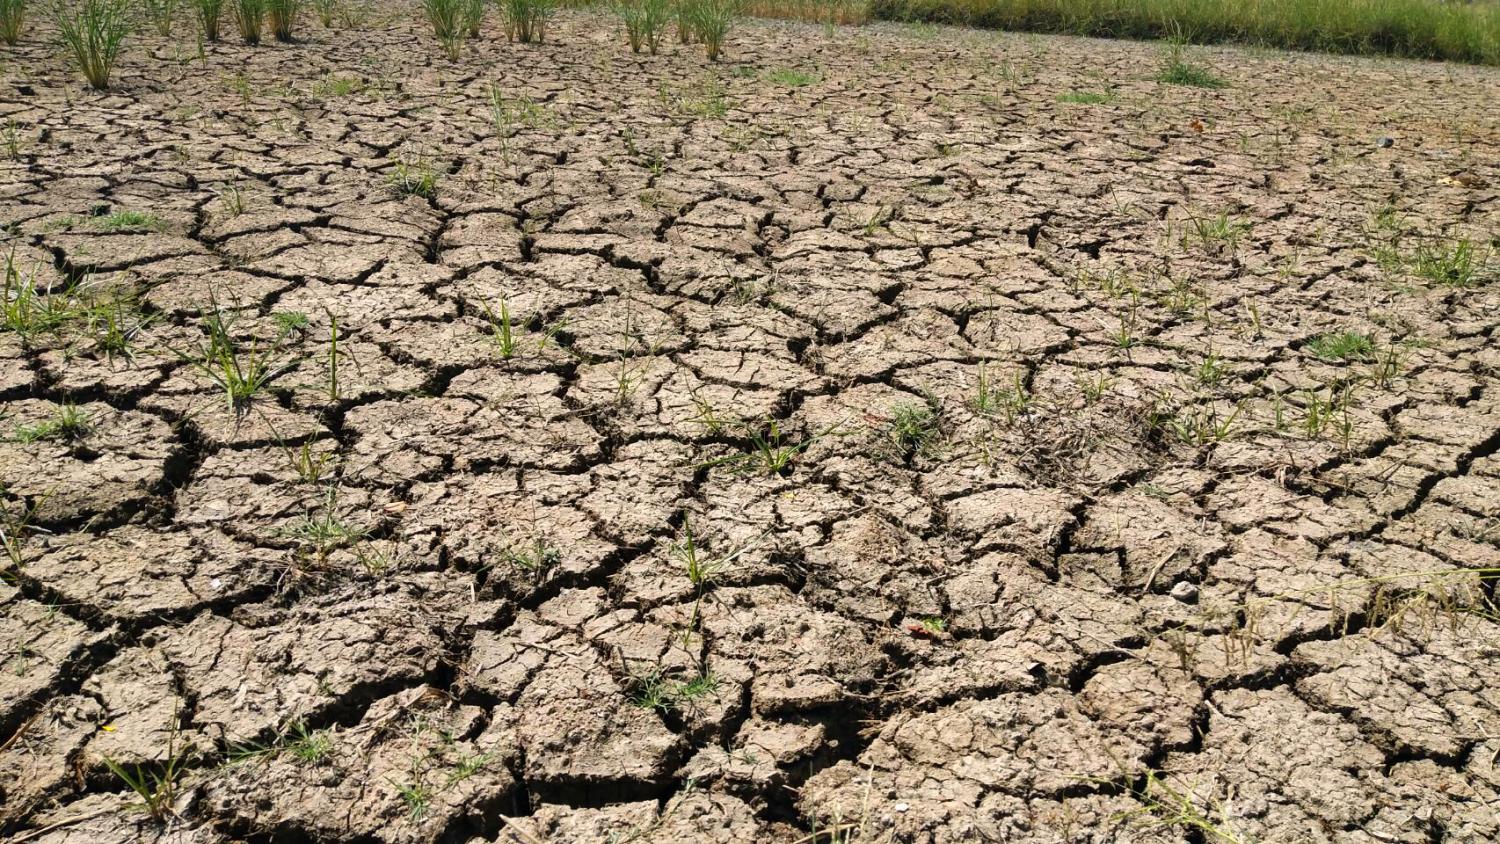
{"type": "Point", "coordinates": [12, 20]}
{"type": "Point", "coordinates": [162, 14]}
{"type": "Point", "coordinates": [282, 15]}
{"type": "Point", "coordinates": [1456, 264]}
{"type": "Point", "coordinates": [1176, 69]}
{"type": "Point", "coordinates": [240, 370]}
{"type": "Point", "coordinates": [790, 78]}
{"type": "Point", "coordinates": [209, 13]}
{"type": "Point", "coordinates": [448, 19]}
{"type": "Point", "coordinates": [93, 31]}
{"type": "Point", "coordinates": [413, 179]}
{"type": "Point", "coordinates": [248, 17]}
{"type": "Point", "coordinates": [1428, 29]}
{"type": "Point", "coordinates": [1086, 98]}
{"type": "Point", "coordinates": [69, 423]}
{"type": "Point", "coordinates": [1343, 346]}
{"type": "Point", "coordinates": [526, 20]}
{"type": "Point", "coordinates": [645, 21]}
{"type": "Point", "coordinates": [710, 21]}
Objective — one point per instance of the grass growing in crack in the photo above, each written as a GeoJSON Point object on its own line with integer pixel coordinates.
{"type": "Point", "coordinates": [307, 747]}
{"type": "Point", "coordinates": [240, 371]}
{"type": "Point", "coordinates": [417, 796]}
{"type": "Point", "coordinates": [710, 21]}
{"type": "Point", "coordinates": [913, 429]}
{"type": "Point", "coordinates": [1458, 264]}
{"type": "Point", "coordinates": [658, 691]}
{"type": "Point", "coordinates": [988, 400]}
{"type": "Point", "coordinates": [162, 14]}
{"type": "Point", "coordinates": [769, 451]}
{"type": "Point", "coordinates": [156, 785]}
{"type": "Point", "coordinates": [1202, 425]}
{"type": "Point", "coordinates": [526, 20]}
{"type": "Point", "coordinates": [502, 331]}
{"type": "Point", "coordinates": [325, 527]}
{"type": "Point", "coordinates": [310, 465]}
{"type": "Point", "coordinates": [790, 78]}
{"type": "Point", "coordinates": [1167, 807]}
{"type": "Point", "coordinates": [69, 422]}
{"type": "Point", "coordinates": [209, 13]}
{"type": "Point", "coordinates": [1176, 69]}
{"type": "Point", "coordinates": [248, 18]}
{"type": "Point", "coordinates": [645, 22]}
{"type": "Point", "coordinates": [1220, 231]}
{"type": "Point", "coordinates": [282, 15]}
{"type": "Point", "coordinates": [12, 20]}
{"type": "Point", "coordinates": [1324, 414]}
{"type": "Point", "coordinates": [28, 312]}
{"type": "Point", "coordinates": [93, 32]}
{"type": "Point", "coordinates": [1342, 346]}
{"type": "Point", "coordinates": [448, 19]}
{"type": "Point", "coordinates": [14, 526]}
{"type": "Point", "coordinates": [1086, 98]}
{"type": "Point", "coordinates": [416, 178]}
{"type": "Point", "coordinates": [534, 558]}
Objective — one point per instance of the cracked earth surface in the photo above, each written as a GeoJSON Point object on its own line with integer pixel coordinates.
{"type": "Point", "coordinates": [1058, 541]}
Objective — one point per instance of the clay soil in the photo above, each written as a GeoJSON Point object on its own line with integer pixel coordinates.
{"type": "Point", "coordinates": [857, 439]}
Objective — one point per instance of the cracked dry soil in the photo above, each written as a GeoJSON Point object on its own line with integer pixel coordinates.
{"type": "Point", "coordinates": [1030, 497]}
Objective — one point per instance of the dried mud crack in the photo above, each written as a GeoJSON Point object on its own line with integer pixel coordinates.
{"type": "Point", "coordinates": [879, 435]}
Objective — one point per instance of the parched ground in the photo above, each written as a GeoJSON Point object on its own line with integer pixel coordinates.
{"type": "Point", "coordinates": [849, 441]}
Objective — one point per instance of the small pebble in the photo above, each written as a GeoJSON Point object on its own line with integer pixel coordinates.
{"type": "Point", "coordinates": [1185, 592]}
{"type": "Point", "coordinates": [902, 807]}
{"type": "Point", "coordinates": [1386, 142]}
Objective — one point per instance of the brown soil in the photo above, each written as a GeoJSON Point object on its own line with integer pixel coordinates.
{"type": "Point", "coordinates": [1031, 493]}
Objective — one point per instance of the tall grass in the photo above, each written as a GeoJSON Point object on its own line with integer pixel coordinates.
{"type": "Point", "coordinates": [248, 15]}
{"type": "Point", "coordinates": [644, 20]}
{"type": "Point", "coordinates": [282, 15]}
{"type": "Point", "coordinates": [93, 32]}
{"type": "Point", "coordinates": [12, 17]}
{"type": "Point", "coordinates": [1461, 31]}
{"type": "Point", "coordinates": [448, 19]}
{"type": "Point", "coordinates": [710, 21]}
{"type": "Point", "coordinates": [209, 13]}
{"type": "Point", "coordinates": [162, 14]}
{"type": "Point", "coordinates": [526, 20]}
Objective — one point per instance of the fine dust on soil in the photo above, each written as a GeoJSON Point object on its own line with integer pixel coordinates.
{"type": "Point", "coordinates": [1072, 511]}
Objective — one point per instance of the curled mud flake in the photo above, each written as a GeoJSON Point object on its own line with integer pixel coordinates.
{"type": "Point", "coordinates": [101, 253]}
{"type": "Point", "coordinates": [415, 767]}
{"type": "Point", "coordinates": [762, 758]}
{"type": "Point", "coordinates": [1271, 768]}
{"type": "Point", "coordinates": [42, 648]}
{"type": "Point", "coordinates": [37, 763]}
{"type": "Point", "coordinates": [331, 262]}
{"type": "Point", "coordinates": [927, 775]}
{"type": "Point", "coordinates": [623, 327]}
{"type": "Point", "coordinates": [871, 570]}
{"type": "Point", "coordinates": [1160, 543]}
{"type": "Point", "coordinates": [1424, 683]}
{"type": "Point", "coordinates": [521, 533]}
{"type": "Point", "coordinates": [804, 659]}
{"type": "Point", "coordinates": [115, 818]}
{"type": "Point", "coordinates": [581, 738]}
{"type": "Point", "coordinates": [137, 575]}
{"type": "Point", "coordinates": [143, 713]}
{"type": "Point", "coordinates": [404, 440]}
{"type": "Point", "coordinates": [553, 823]}
{"type": "Point", "coordinates": [77, 461]}
{"type": "Point", "coordinates": [635, 495]}
{"type": "Point", "coordinates": [1025, 520]}
{"type": "Point", "coordinates": [250, 682]}
{"type": "Point", "coordinates": [1245, 502]}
